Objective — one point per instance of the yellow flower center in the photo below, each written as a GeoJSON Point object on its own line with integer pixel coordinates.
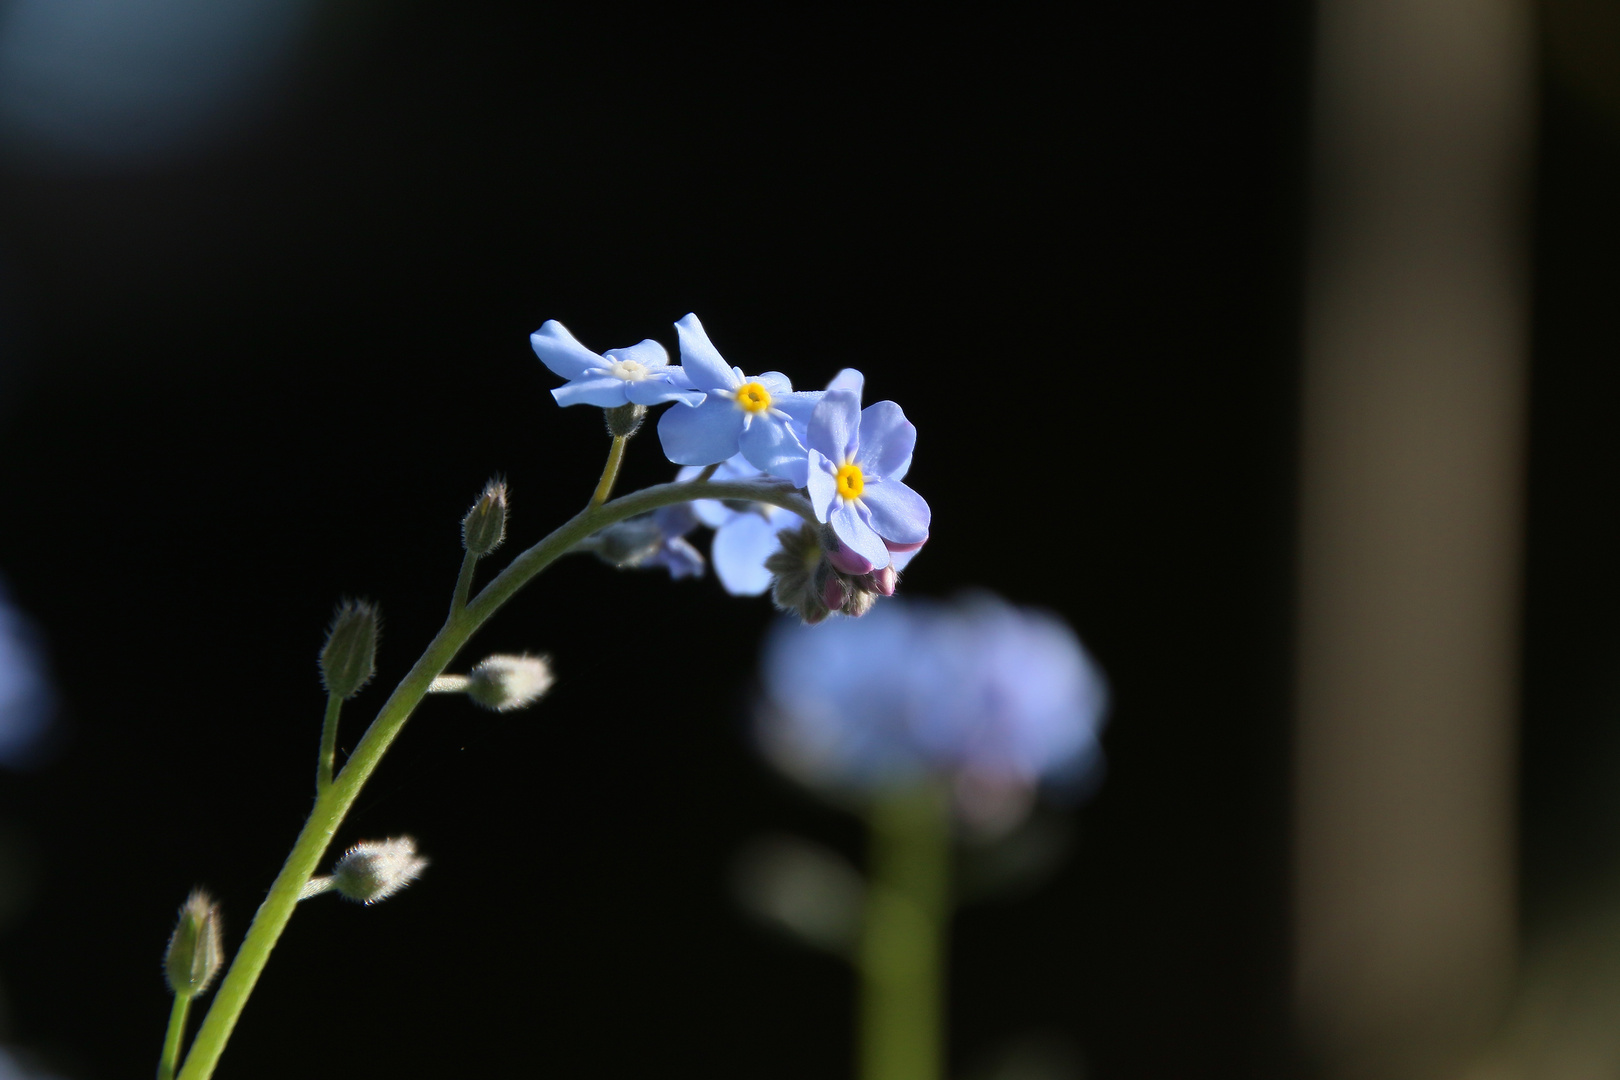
{"type": "Point", "coordinates": [753, 398]}
{"type": "Point", "coordinates": [850, 481]}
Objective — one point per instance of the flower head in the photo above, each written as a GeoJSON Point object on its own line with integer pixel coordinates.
{"type": "Point", "coordinates": [858, 458]}
{"type": "Point", "coordinates": [990, 698]}
{"type": "Point", "coordinates": [635, 375]}
{"type": "Point", "coordinates": [655, 539]}
{"type": "Point", "coordinates": [761, 415]}
{"type": "Point", "coordinates": [374, 870]}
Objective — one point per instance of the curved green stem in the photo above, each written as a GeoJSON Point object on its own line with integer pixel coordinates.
{"type": "Point", "coordinates": [329, 730]}
{"type": "Point", "coordinates": [610, 471]}
{"type": "Point", "coordinates": [332, 804]}
{"type": "Point", "coordinates": [170, 1059]}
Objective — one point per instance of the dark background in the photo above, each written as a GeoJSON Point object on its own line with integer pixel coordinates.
{"type": "Point", "coordinates": [259, 378]}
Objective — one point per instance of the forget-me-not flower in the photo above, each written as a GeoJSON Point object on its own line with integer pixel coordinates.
{"type": "Point", "coordinates": [744, 533]}
{"type": "Point", "coordinates": [858, 458]}
{"type": "Point", "coordinates": [635, 375]}
{"type": "Point", "coordinates": [979, 694]}
{"type": "Point", "coordinates": [760, 415]}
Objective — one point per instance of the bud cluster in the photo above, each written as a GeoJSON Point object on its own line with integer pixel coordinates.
{"type": "Point", "coordinates": [806, 581]}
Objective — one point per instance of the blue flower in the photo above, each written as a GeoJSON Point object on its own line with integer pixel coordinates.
{"type": "Point", "coordinates": [654, 539]}
{"type": "Point", "coordinates": [744, 533]}
{"type": "Point", "coordinates": [761, 415]}
{"type": "Point", "coordinates": [857, 461]}
{"type": "Point", "coordinates": [636, 375]}
{"type": "Point", "coordinates": [991, 699]}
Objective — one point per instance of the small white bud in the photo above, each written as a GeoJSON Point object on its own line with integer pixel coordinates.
{"type": "Point", "coordinates": [374, 870]}
{"type": "Point", "coordinates": [194, 954]}
{"type": "Point", "coordinates": [504, 683]}
{"type": "Point", "coordinates": [484, 527]}
{"type": "Point", "coordinates": [349, 658]}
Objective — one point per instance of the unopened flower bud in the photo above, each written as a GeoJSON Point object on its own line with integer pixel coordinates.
{"type": "Point", "coordinates": [194, 954]}
{"type": "Point", "coordinates": [350, 656]}
{"type": "Point", "coordinates": [625, 420]}
{"type": "Point", "coordinates": [504, 683]}
{"type": "Point", "coordinates": [884, 580]}
{"type": "Point", "coordinates": [795, 567]}
{"type": "Point", "coordinates": [484, 527]}
{"type": "Point", "coordinates": [374, 870]}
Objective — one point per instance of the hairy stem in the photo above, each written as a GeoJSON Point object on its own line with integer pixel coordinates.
{"type": "Point", "coordinates": [610, 471]}
{"type": "Point", "coordinates": [464, 580]}
{"type": "Point", "coordinates": [902, 949]}
{"type": "Point", "coordinates": [170, 1060]}
{"type": "Point", "coordinates": [329, 730]}
{"type": "Point", "coordinates": [332, 804]}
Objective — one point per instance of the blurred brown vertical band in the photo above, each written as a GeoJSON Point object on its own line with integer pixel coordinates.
{"type": "Point", "coordinates": [1410, 530]}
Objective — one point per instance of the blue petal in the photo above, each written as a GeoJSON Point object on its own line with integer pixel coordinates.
{"type": "Point", "coordinates": [701, 360]}
{"type": "Point", "coordinates": [647, 353]}
{"type": "Point", "coordinates": [604, 391]}
{"type": "Point", "coordinates": [799, 405]}
{"type": "Point", "coordinates": [771, 445]}
{"type": "Point", "coordinates": [897, 512]}
{"type": "Point", "coordinates": [849, 379]}
{"type": "Point", "coordinates": [559, 351]}
{"type": "Point", "coordinates": [821, 484]}
{"type": "Point", "coordinates": [834, 425]}
{"type": "Point", "coordinates": [857, 534]}
{"type": "Point", "coordinates": [657, 391]}
{"type": "Point", "coordinates": [774, 381]}
{"type": "Point", "coordinates": [887, 439]}
{"type": "Point", "coordinates": [680, 558]}
{"type": "Point", "coordinates": [700, 435]}
{"type": "Point", "coordinates": [739, 551]}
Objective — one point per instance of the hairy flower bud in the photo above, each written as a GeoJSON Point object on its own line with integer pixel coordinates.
{"type": "Point", "coordinates": [625, 420]}
{"type": "Point", "coordinates": [349, 658]}
{"type": "Point", "coordinates": [374, 870]}
{"type": "Point", "coordinates": [505, 683]}
{"type": "Point", "coordinates": [796, 573]}
{"type": "Point", "coordinates": [194, 954]}
{"type": "Point", "coordinates": [484, 527]}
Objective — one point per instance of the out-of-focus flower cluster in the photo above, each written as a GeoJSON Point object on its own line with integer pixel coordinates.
{"type": "Point", "coordinates": [990, 699]}
{"type": "Point", "coordinates": [849, 462]}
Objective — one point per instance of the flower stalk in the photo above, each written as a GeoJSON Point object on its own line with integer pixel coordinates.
{"type": "Point", "coordinates": [901, 954]}
{"type": "Point", "coordinates": [333, 803]}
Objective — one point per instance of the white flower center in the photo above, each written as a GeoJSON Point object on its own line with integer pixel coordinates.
{"type": "Point", "coordinates": [629, 370]}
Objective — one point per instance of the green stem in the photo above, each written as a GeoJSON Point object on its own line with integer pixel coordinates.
{"type": "Point", "coordinates": [464, 580]}
{"type": "Point", "coordinates": [333, 804]}
{"type": "Point", "coordinates": [329, 730]}
{"type": "Point", "coordinates": [610, 471]}
{"type": "Point", "coordinates": [176, 1035]}
{"type": "Point", "coordinates": [902, 949]}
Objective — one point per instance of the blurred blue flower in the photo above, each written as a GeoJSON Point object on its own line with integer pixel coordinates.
{"type": "Point", "coordinates": [635, 375]}
{"type": "Point", "coordinates": [744, 533]}
{"type": "Point", "coordinates": [26, 697]}
{"type": "Point", "coordinates": [674, 552]}
{"type": "Point", "coordinates": [761, 415]}
{"type": "Point", "coordinates": [654, 539]}
{"type": "Point", "coordinates": [992, 699]}
{"type": "Point", "coordinates": [857, 460]}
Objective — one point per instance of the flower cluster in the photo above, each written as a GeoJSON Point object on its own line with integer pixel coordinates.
{"type": "Point", "coordinates": [988, 698]}
{"type": "Point", "coordinates": [849, 462]}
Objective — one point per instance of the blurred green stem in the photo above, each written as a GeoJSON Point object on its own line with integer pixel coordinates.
{"type": "Point", "coordinates": [902, 948]}
{"type": "Point", "coordinates": [332, 804]}
{"type": "Point", "coordinates": [176, 1035]}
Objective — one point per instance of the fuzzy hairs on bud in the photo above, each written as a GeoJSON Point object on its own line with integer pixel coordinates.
{"type": "Point", "coordinates": [195, 953]}
{"type": "Point", "coordinates": [505, 683]}
{"type": "Point", "coordinates": [349, 658]}
{"type": "Point", "coordinates": [484, 527]}
{"type": "Point", "coordinates": [374, 870]}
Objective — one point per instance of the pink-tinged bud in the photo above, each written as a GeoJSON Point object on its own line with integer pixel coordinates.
{"type": "Point", "coordinates": [833, 592]}
{"type": "Point", "coordinates": [844, 558]}
{"type": "Point", "coordinates": [883, 580]}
